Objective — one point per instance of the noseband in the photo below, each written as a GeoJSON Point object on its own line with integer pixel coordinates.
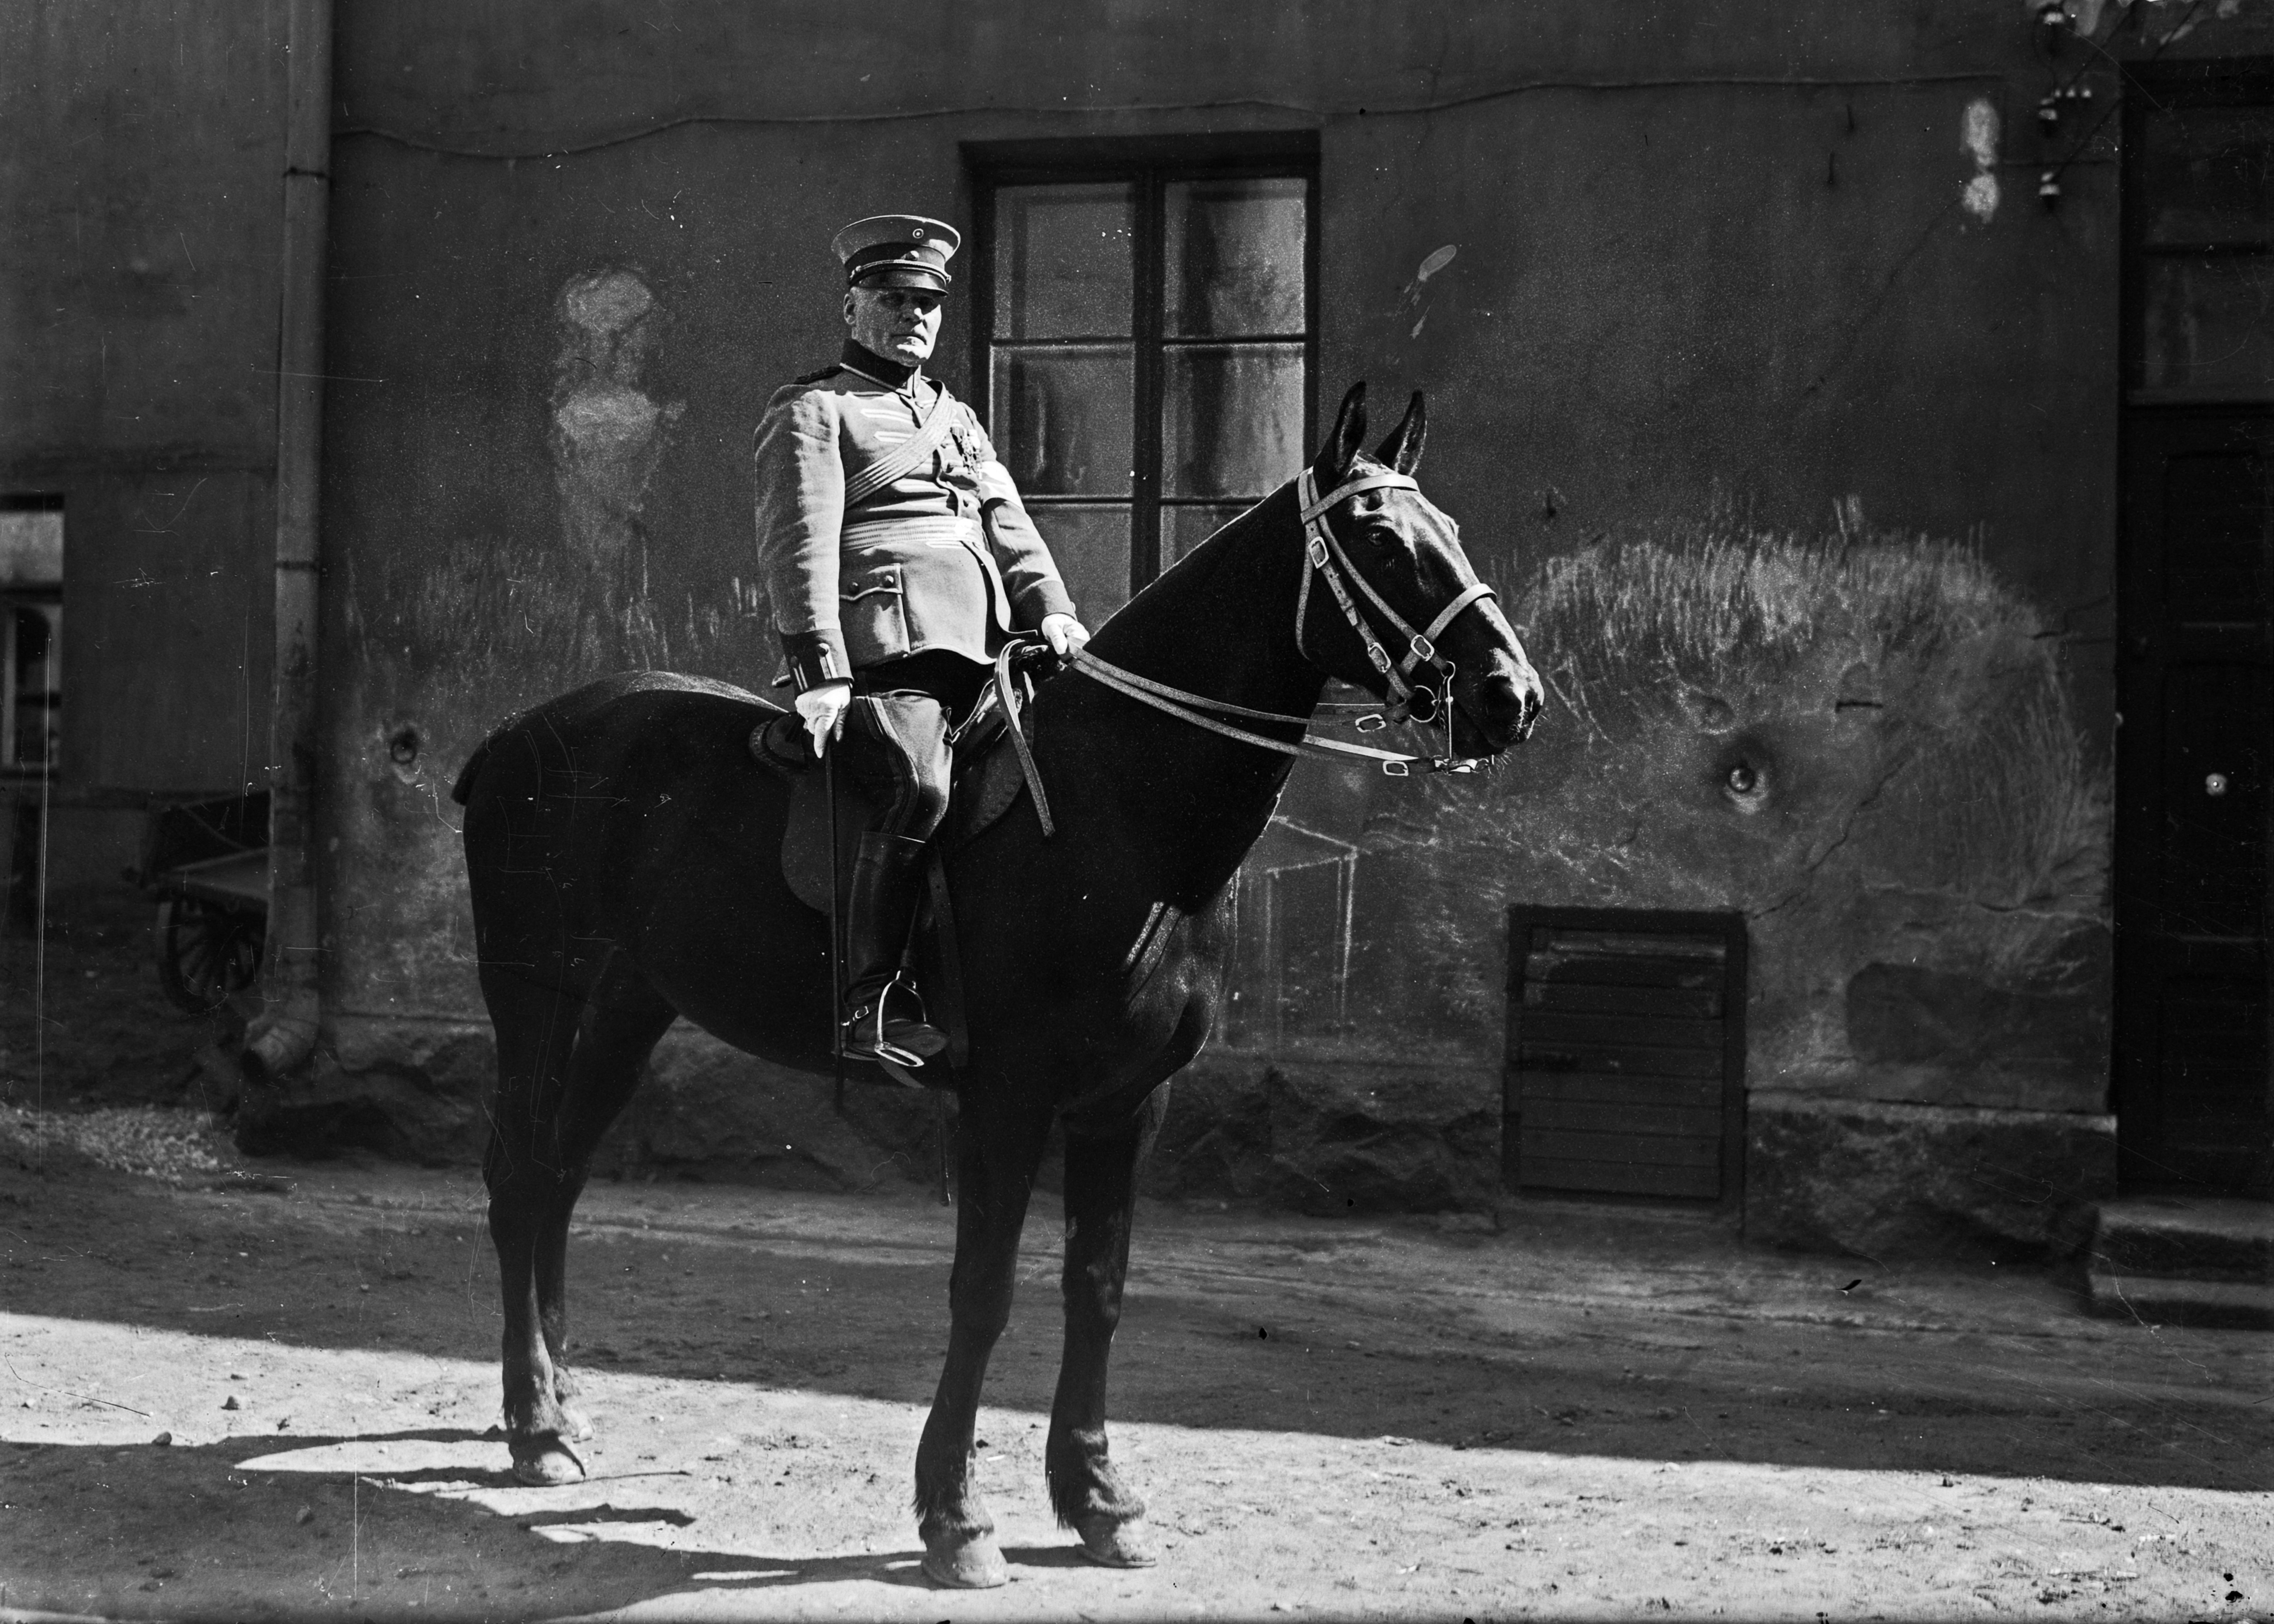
{"type": "Point", "coordinates": [1411, 700]}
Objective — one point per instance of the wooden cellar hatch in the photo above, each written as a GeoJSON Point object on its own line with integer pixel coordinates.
{"type": "Point", "coordinates": [1625, 1073]}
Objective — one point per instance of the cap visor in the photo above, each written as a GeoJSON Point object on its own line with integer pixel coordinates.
{"type": "Point", "coordinates": [903, 276]}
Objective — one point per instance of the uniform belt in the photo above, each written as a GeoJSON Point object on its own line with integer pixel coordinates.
{"type": "Point", "coordinates": [941, 531]}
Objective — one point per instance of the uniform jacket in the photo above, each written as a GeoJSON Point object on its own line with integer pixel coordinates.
{"type": "Point", "coordinates": [943, 558]}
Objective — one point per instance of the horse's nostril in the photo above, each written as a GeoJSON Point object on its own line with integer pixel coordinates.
{"type": "Point", "coordinates": [1503, 701]}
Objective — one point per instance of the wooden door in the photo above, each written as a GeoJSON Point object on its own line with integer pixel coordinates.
{"type": "Point", "coordinates": [1625, 1070]}
{"type": "Point", "coordinates": [2196, 636]}
{"type": "Point", "coordinates": [2196, 695]}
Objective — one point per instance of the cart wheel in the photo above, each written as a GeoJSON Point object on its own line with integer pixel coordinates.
{"type": "Point", "coordinates": [205, 953]}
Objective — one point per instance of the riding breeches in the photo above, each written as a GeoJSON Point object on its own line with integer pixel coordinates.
{"type": "Point", "coordinates": [896, 736]}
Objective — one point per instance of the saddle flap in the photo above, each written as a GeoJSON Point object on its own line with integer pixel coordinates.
{"type": "Point", "coordinates": [986, 784]}
{"type": "Point", "coordinates": [805, 842]}
{"type": "Point", "coordinates": [779, 745]}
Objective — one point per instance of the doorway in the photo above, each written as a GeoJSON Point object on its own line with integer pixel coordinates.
{"type": "Point", "coordinates": [2195, 629]}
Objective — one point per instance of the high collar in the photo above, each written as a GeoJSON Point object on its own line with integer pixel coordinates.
{"type": "Point", "coordinates": [861, 358]}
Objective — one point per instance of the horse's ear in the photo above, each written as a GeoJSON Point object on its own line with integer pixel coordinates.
{"type": "Point", "coordinates": [1349, 437]}
{"type": "Point", "coordinates": [1403, 449]}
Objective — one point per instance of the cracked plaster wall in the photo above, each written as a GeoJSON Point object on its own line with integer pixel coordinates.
{"type": "Point", "coordinates": [1860, 740]}
{"type": "Point", "coordinates": [1694, 285]}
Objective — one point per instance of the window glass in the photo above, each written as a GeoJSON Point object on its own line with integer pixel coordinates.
{"type": "Point", "coordinates": [30, 631]}
{"type": "Point", "coordinates": [1234, 258]}
{"type": "Point", "coordinates": [1090, 542]}
{"type": "Point", "coordinates": [1062, 264]}
{"type": "Point", "coordinates": [1062, 419]}
{"type": "Point", "coordinates": [1232, 419]}
{"type": "Point", "coordinates": [2209, 322]}
{"type": "Point", "coordinates": [2207, 175]}
{"type": "Point", "coordinates": [35, 660]}
{"type": "Point", "coordinates": [1183, 529]}
{"type": "Point", "coordinates": [1145, 359]}
{"type": "Point", "coordinates": [31, 547]}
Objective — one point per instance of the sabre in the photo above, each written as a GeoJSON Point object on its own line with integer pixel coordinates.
{"type": "Point", "coordinates": [836, 949]}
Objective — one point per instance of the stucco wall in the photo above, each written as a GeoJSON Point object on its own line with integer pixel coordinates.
{"type": "Point", "coordinates": [1723, 272]}
{"type": "Point", "coordinates": [140, 149]}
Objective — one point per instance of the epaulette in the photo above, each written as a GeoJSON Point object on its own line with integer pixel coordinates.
{"type": "Point", "coordinates": [831, 371]}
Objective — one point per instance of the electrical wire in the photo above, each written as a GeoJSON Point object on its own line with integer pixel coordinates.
{"type": "Point", "coordinates": [2124, 71]}
{"type": "Point", "coordinates": [1092, 110]}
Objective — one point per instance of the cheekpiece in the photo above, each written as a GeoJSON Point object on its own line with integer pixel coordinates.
{"type": "Point", "coordinates": [897, 250]}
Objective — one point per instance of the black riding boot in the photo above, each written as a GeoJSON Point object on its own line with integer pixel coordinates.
{"type": "Point", "coordinates": [883, 1015]}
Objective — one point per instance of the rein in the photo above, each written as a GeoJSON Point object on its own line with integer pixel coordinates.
{"type": "Point", "coordinates": [1410, 700]}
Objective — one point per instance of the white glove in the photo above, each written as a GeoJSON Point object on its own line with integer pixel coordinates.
{"type": "Point", "coordinates": [1064, 635]}
{"type": "Point", "coordinates": [822, 708]}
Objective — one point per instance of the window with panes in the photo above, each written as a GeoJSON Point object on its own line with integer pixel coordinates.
{"type": "Point", "coordinates": [31, 632]}
{"type": "Point", "coordinates": [1145, 355]}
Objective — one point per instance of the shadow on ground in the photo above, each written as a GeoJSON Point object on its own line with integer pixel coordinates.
{"type": "Point", "coordinates": [1647, 1344]}
{"type": "Point", "coordinates": [219, 1535]}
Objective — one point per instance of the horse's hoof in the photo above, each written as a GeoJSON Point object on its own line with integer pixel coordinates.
{"type": "Point", "coordinates": [1126, 1543]}
{"type": "Point", "coordinates": [973, 1564]}
{"type": "Point", "coordinates": [576, 1424]}
{"type": "Point", "coordinates": [546, 1464]}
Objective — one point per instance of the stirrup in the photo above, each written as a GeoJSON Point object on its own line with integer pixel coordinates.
{"type": "Point", "coordinates": [866, 1033]}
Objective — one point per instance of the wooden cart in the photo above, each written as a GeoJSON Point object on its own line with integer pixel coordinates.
{"type": "Point", "coordinates": [206, 864]}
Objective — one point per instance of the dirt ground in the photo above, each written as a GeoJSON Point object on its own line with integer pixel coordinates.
{"type": "Point", "coordinates": [83, 1022]}
{"type": "Point", "coordinates": [1590, 1413]}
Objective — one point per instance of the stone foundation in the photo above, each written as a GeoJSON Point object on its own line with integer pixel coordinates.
{"type": "Point", "coordinates": [1882, 1180]}
{"type": "Point", "coordinates": [415, 1091]}
{"type": "Point", "coordinates": [1333, 1136]}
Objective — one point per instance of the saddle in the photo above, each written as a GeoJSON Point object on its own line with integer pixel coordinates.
{"type": "Point", "coordinates": [988, 773]}
{"type": "Point", "coordinates": [984, 784]}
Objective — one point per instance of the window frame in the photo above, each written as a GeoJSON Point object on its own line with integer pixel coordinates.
{"type": "Point", "coordinates": [2169, 87]}
{"type": "Point", "coordinates": [47, 600]}
{"type": "Point", "coordinates": [1150, 165]}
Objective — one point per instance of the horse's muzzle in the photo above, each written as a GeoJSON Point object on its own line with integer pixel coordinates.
{"type": "Point", "coordinates": [1499, 710]}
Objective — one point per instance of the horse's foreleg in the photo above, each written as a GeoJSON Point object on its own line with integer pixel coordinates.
{"type": "Point", "coordinates": [996, 1155]}
{"type": "Point", "coordinates": [536, 1032]}
{"type": "Point", "coordinates": [1101, 1197]}
{"type": "Point", "coordinates": [612, 1044]}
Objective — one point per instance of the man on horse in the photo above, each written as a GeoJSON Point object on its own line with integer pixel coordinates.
{"type": "Point", "coordinates": [898, 557]}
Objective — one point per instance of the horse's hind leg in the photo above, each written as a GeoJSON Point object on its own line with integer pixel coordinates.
{"type": "Point", "coordinates": [997, 1153]}
{"type": "Point", "coordinates": [1101, 1198]}
{"type": "Point", "coordinates": [565, 1068]}
{"type": "Point", "coordinates": [613, 1043]}
{"type": "Point", "coordinates": [536, 1034]}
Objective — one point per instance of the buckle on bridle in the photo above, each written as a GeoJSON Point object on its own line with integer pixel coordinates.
{"type": "Point", "coordinates": [1395, 770]}
{"type": "Point", "coordinates": [1372, 722]}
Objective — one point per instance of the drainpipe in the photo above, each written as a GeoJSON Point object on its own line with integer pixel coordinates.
{"type": "Point", "coordinates": [284, 1035]}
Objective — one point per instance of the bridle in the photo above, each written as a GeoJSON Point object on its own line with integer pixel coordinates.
{"type": "Point", "coordinates": [1323, 556]}
{"type": "Point", "coordinates": [1412, 698]}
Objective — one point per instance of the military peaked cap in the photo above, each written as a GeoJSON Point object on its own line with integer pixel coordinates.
{"type": "Point", "coordinates": [897, 250]}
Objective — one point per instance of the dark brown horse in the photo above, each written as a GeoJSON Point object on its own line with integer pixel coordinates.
{"type": "Point", "coordinates": [623, 850]}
